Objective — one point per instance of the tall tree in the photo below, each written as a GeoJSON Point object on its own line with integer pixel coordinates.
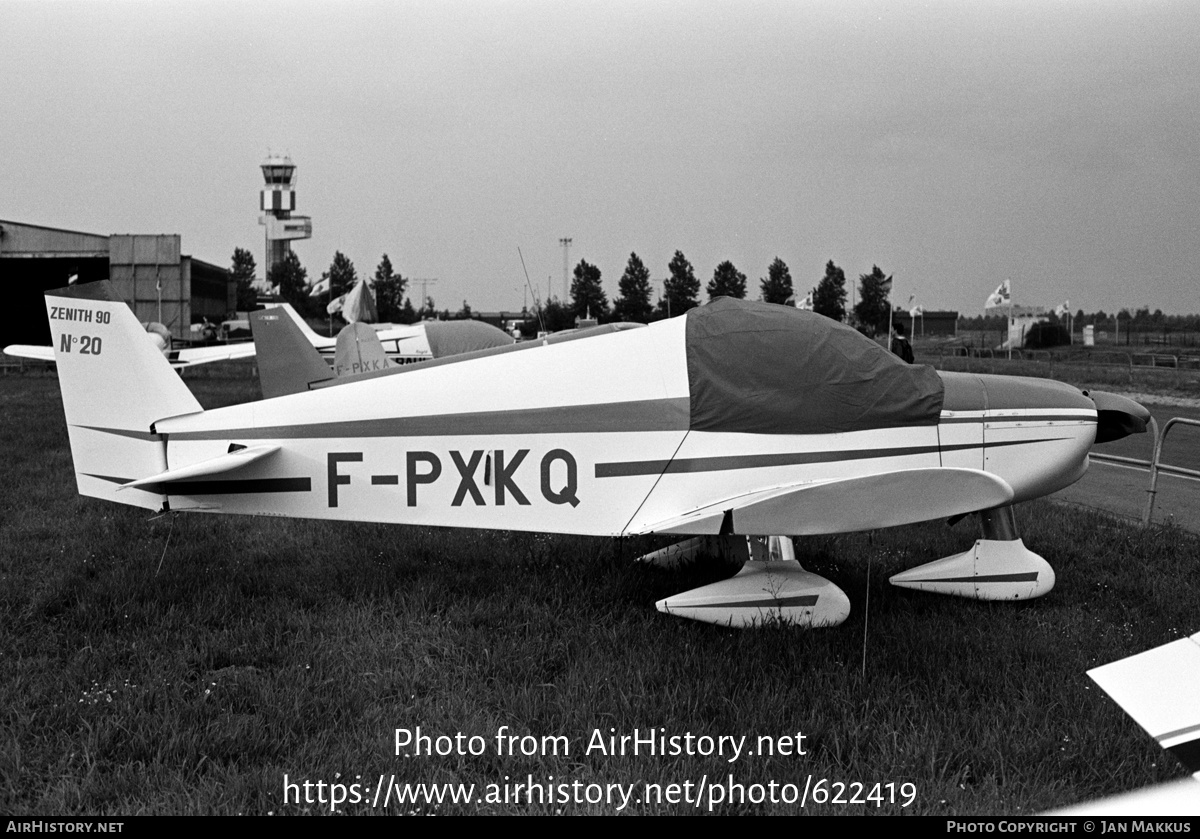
{"type": "Point", "coordinates": [242, 271]}
{"type": "Point", "coordinates": [290, 278]}
{"type": "Point", "coordinates": [727, 281]}
{"type": "Point", "coordinates": [634, 303]}
{"type": "Point", "coordinates": [830, 297]}
{"type": "Point", "coordinates": [389, 292]}
{"type": "Point", "coordinates": [777, 285]}
{"type": "Point", "coordinates": [557, 316]}
{"type": "Point", "coordinates": [679, 289]}
{"type": "Point", "coordinates": [341, 275]}
{"type": "Point", "coordinates": [874, 292]}
{"type": "Point", "coordinates": [587, 295]}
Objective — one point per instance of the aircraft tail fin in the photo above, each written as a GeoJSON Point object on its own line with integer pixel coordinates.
{"type": "Point", "coordinates": [359, 351]}
{"type": "Point", "coordinates": [305, 330]}
{"type": "Point", "coordinates": [287, 361]}
{"type": "Point", "coordinates": [115, 385]}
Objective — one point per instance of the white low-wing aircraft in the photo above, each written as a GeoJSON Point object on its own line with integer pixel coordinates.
{"type": "Point", "coordinates": [737, 420]}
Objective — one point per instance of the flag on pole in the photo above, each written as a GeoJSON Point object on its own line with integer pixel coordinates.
{"type": "Point", "coordinates": [916, 311]}
{"type": "Point", "coordinates": [806, 303]}
{"type": "Point", "coordinates": [1063, 310]}
{"type": "Point", "coordinates": [886, 287]}
{"type": "Point", "coordinates": [320, 287]}
{"type": "Point", "coordinates": [1002, 296]}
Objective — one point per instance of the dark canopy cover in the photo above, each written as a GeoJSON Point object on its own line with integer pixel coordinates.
{"type": "Point", "coordinates": [771, 369]}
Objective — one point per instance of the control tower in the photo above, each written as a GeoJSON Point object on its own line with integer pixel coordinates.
{"type": "Point", "coordinates": [277, 201]}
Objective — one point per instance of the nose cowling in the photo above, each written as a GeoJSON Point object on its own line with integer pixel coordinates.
{"type": "Point", "coordinates": [1117, 416]}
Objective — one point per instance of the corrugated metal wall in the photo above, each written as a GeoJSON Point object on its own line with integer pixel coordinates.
{"type": "Point", "coordinates": [147, 272]}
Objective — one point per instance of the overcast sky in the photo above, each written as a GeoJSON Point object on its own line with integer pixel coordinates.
{"type": "Point", "coordinates": [954, 144]}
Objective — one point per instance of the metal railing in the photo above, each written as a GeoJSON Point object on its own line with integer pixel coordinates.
{"type": "Point", "coordinates": [1155, 463]}
{"type": "Point", "coordinates": [1157, 466]}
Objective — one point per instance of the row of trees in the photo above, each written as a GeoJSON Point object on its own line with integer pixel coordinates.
{"type": "Point", "coordinates": [680, 291]}
{"type": "Point", "coordinates": [290, 280]}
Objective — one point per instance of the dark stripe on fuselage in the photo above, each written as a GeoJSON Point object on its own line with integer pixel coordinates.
{"type": "Point", "coordinates": [236, 487]}
{"type": "Point", "coordinates": [723, 463]}
{"type": "Point", "coordinates": [646, 415]}
{"type": "Point", "coordinates": [217, 487]}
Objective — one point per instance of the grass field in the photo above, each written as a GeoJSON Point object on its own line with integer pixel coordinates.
{"type": "Point", "coordinates": [181, 665]}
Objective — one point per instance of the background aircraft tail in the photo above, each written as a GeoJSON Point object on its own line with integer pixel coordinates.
{"type": "Point", "coordinates": [115, 386]}
{"type": "Point", "coordinates": [306, 330]}
{"type": "Point", "coordinates": [287, 362]}
{"type": "Point", "coordinates": [358, 351]}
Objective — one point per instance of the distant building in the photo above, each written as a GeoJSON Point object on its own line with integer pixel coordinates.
{"type": "Point", "coordinates": [931, 324]}
{"type": "Point", "coordinates": [149, 271]}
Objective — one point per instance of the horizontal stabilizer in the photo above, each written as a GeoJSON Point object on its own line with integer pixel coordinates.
{"type": "Point", "coordinates": [216, 466]}
{"type": "Point", "coordinates": [864, 503]}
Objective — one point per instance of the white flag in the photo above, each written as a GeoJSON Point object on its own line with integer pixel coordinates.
{"type": "Point", "coordinates": [916, 311]}
{"type": "Point", "coordinates": [319, 288]}
{"type": "Point", "coordinates": [806, 303]}
{"type": "Point", "coordinates": [1063, 310]}
{"type": "Point", "coordinates": [1002, 296]}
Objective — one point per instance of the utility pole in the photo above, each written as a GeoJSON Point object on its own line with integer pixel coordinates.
{"type": "Point", "coordinates": [566, 246]}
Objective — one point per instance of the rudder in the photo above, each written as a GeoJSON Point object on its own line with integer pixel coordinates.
{"type": "Point", "coordinates": [115, 385]}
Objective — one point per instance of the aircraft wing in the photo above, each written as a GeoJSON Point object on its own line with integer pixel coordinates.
{"type": "Point", "coordinates": [864, 503]}
{"type": "Point", "coordinates": [203, 355]}
{"type": "Point", "coordinates": [30, 351]}
{"type": "Point", "coordinates": [1159, 689]}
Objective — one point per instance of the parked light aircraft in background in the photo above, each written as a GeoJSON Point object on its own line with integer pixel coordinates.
{"type": "Point", "coordinates": [1160, 689]}
{"type": "Point", "coordinates": [289, 363]}
{"type": "Point", "coordinates": [735, 422]}
{"type": "Point", "coordinates": [405, 344]}
{"type": "Point", "coordinates": [402, 344]}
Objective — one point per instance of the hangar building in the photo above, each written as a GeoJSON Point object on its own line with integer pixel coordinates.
{"type": "Point", "coordinates": [159, 282]}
